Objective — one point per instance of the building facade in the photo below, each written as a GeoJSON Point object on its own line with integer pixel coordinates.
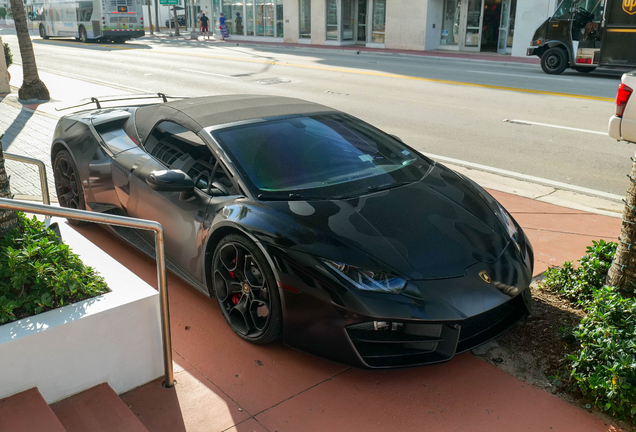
{"type": "Point", "coordinates": [497, 26]}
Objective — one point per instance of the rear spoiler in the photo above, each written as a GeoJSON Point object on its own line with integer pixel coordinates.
{"type": "Point", "coordinates": [99, 102]}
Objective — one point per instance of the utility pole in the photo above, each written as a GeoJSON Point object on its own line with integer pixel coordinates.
{"type": "Point", "coordinates": [176, 22]}
{"type": "Point", "coordinates": [157, 15]}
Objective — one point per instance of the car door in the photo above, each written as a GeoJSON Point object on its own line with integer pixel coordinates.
{"type": "Point", "coordinates": [185, 219]}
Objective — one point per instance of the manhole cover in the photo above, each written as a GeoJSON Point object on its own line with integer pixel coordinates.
{"type": "Point", "coordinates": [272, 81]}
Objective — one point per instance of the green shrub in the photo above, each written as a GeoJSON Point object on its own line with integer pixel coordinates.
{"type": "Point", "coordinates": [604, 368]}
{"type": "Point", "coordinates": [3, 13]}
{"type": "Point", "coordinates": [39, 273]}
{"type": "Point", "coordinates": [7, 55]}
{"type": "Point", "coordinates": [578, 284]}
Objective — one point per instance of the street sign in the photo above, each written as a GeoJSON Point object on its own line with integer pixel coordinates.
{"type": "Point", "coordinates": [168, 2]}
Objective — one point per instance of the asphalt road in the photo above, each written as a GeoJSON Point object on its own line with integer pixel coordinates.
{"type": "Point", "coordinates": [451, 108]}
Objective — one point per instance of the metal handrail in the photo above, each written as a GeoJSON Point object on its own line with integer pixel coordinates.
{"type": "Point", "coordinates": [109, 219]}
{"type": "Point", "coordinates": [44, 182]}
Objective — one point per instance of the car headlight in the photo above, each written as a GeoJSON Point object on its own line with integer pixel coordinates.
{"type": "Point", "coordinates": [367, 280]}
{"type": "Point", "coordinates": [507, 221]}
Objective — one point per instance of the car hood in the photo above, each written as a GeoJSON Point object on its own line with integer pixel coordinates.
{"type": "Point", "coordinates": [435, 228]}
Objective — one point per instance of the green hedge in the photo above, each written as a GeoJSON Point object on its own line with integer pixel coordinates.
{"type": "Point", "coordinates": [39, 273]}
{"type": "Point", "coordinates": [603, 365]}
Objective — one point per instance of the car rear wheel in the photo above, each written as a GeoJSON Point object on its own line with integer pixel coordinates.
{"type": "Point", "coordinates": [68, 185]}
{"type": "Point", "coordinates": [554, 61]}
{"type": "Point", "coordinates": [43, 34]}
{"type": "Point", "coordinates": [82, 34]}
{"type": "Point", "coordinates": [246, 290]}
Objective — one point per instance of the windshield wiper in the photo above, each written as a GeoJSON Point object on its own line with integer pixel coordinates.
{"type": "Point", "coordinates": [387, 186]}
{"type": "Point", "coordinates": [289, 197]}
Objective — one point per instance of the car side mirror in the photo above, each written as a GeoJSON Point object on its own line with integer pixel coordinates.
{"type": "Point", "coordinates": [218, 189]}
{"type": "Point", "coordinates": [171, 181]}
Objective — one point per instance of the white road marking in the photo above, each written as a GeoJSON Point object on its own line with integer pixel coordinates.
{"type": "Point", "coordinates": [555, 126]}
{"type": "Point", "coordinates": [208, 73]}
{"type": "Point", "coordinates": [529, 178]}
{"type": "Point", "coordinates": [521, 76]}
{"type": "Point", "coordinates": [94, 80]}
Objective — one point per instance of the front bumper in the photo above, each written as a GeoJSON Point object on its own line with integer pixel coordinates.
{"type": "Point", "coordinates": [430, 322]}
{"type": "Point", "coordinates": [531, 51]}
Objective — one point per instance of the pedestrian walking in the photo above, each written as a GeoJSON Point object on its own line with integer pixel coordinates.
{"type": "Point", "coordinates": [199, 20]}
{"type": "Point", "coordinates": [223, 27]}
{"type": "Point", "coordinates": [205, 25]}
{"type": "Point", "coordinates": [239, 23]}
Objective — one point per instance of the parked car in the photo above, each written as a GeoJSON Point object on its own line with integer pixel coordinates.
{"type": "Point", "coordinates": [181, 19]}
{"type": "Point", "coordinates": [305, 224]}
{"type": "Point", "coordinates": [622, 125]}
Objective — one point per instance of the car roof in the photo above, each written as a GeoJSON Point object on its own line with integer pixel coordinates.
{"type": "Point", "coordinates": [201, 112]}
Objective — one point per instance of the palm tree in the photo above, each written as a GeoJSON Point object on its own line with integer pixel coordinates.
{"type": "Point", "coordinates": [8, 218]}
{"type": "Point", "coordinates": [622, 273]}
{"type": "Point", "coordinates": [32, 86]}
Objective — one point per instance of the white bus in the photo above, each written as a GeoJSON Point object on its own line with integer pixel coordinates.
{"type": "Point", "coordinates": [86, 20]}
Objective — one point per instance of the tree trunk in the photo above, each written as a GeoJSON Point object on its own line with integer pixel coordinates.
{"type": "Point", "coordinates": [32, 86]}
{"type": "Point", "coordinates": [176, 21]}
{"type": "Point", "coordinates": [157, 28]}
{"type": "Point", "coordinates": [150, 18]}
{"type": "Point", "coordinates": [8, 218]}
{"type": "Point", "coordinates": [622, 273]}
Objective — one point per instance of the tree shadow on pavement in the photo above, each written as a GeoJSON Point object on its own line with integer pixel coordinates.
{"type": "Point", "coordinates": [16, 126]}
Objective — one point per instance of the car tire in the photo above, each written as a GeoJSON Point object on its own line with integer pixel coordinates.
{"type": "Point", "coordinates": [68, 185]}
{"type": "Point", "coordinates": [584, 69]}
{"type": "Point", "coordinates": [554, 61]}
{"type": "Point", "coordinates": [82, 34]}
{"type": "Point", "coordinates": [246, 291]}
{"type": "Point", "coordinates": [43, 34]}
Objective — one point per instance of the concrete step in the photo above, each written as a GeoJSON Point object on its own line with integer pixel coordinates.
{"type": "Point", "coordinates": [28, 412]}
{"type": "Point", "coordinates": [97, 409]}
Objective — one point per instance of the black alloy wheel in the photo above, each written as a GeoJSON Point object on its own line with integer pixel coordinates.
{"type": "Point", "coordinates": [43, 34]}
{"type": "Point", "coordinates": [246, 290]}
{"type": "Point", "coordinates": [554, 61]}
{"type": "Point", "coordinates": [82, 34]}
{"type": "Point", "coordinates": [68, 185]}
{"type": "Point", "coordinates": [584, 69]}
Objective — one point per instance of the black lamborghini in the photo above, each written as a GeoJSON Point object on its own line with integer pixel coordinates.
{"type": "Point", "coordinates": [305, 224]}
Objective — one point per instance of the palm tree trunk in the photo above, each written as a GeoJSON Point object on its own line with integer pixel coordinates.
{"type": "Point", "coordinates": [150, 18]}
{"type": "Point", "coordinates": [32, 86]}
{"type": "Point", "coordinates": [622, 273]}
{"type": "Point", "coordinates": [8, 218]}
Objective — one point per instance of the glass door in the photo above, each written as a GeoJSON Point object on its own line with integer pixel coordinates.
{"type": "Point", "coordinates": [362, 21]}
{"type": "Point", "coordinates": [502, 41]}
{"type": "Point", "coordinates": [472, 35]}
{"type": "Point", "coordinates": [348, 15]}
{"type": "Point", "coordinates": [332, 20]}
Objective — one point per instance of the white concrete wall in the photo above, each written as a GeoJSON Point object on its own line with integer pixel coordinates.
{"type": "Point", "coordinates": [434, 15]}
{"type": "Point", "coordinates": [318, 21]}
{"type": "Point", "coordinates": [114, 338]}
{"type": "Point", "coordinates": [406, 24]}
{"type": "Point", "coordinates": [291, 20]}
{"type": "Point", "coordinates": [529, 16]}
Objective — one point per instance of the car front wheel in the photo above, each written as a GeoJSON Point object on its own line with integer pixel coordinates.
{"type": "Point", "coordinates": [68, 185]}
{"type": "Point", "coordinates": [246, 290]}
{"type": "Point", "coordinates": [554, 61]}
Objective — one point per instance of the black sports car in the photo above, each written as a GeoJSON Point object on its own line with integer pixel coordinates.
{"type": "Point", "coordinates": [305, 223]}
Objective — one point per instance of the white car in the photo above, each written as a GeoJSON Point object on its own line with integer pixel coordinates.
{"type": "Point", "coordinates": [622, 125]}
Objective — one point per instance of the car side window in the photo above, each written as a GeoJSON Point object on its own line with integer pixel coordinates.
{"type": "Point", "coordinates": [180, 148]}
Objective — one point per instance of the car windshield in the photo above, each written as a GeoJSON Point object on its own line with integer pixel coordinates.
{"type": "Point", "coordinates": [319, 156]}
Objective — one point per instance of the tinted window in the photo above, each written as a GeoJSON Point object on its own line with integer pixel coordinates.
{"type": "Point", "coordinates": [319, 156]}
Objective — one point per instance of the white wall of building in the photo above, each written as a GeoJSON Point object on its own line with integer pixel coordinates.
{"type": "Point", "coordinates": [529, 16]}
{"type": "Point", "coordinates": [406, 24]}
{"type": "Point", "coordinates": [291, 20]}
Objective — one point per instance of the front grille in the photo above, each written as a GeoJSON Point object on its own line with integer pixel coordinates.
{"type": "Point", "coordinates": [393, 344]}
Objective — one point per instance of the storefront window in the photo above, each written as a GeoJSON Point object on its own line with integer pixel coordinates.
{"type": "Point", "coordinates": [279, 18]}
{"type": "Point", "coordinates": [379, 21]}
{"type": "Point", "coordinates": [450, 22]}
{"type": "Point", "coordinates": [233, 10]}
{"type": "Point", "coordinates": [249, 17]}
{"type": "Point", "coordinates": [348, 13]}
{"type": "Point", "coordinates": [305, 18]}
{"type": "Point", "coordinates": [264, 18]}
{"type": "Point", "coordinates": [511, 28]}
{"type": "Point", "coordinates": [332, 20]}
